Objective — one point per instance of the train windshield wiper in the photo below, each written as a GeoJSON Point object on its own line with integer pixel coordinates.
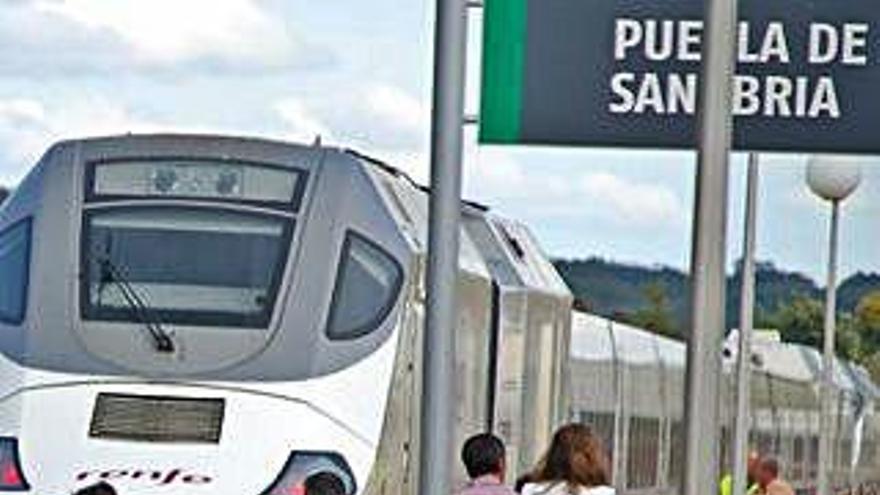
{"type": "Point", "coordinates": [110, 273]}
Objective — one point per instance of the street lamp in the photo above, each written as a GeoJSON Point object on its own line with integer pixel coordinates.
{"type": "Point", "coordinates": [832, 178]}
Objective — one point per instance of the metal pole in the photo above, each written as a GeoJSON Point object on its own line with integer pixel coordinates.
{"type": "Point", "coordinates": [825, 421]}
{"type": "Point", "coordinates": [438, 392]}
{"type": "Point", "coordinates": [746, 322]}
{"type": "Point", "coordinates": [707, 259]}
{"type": "Point", "coordinates": [438, 404]}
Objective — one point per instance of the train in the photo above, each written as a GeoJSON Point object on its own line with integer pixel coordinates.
{"type": "Point", "coordinates": [196, 314]}
{"type": "Point", "coordinates": [629, 384]}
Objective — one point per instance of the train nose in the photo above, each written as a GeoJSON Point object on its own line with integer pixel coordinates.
{"type": "Point", "coordinates": [182, 440]}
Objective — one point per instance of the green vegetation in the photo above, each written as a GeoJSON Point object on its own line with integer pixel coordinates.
{"type": "Point", "coordinates": [656, 315]}
{"type": "Point", "coordinates": [656, 299]}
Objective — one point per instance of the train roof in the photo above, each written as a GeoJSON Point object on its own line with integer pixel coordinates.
{"type": "Point", "coordinates": [803, 363]}
{"type": "Point", "coordinates": [595, 338]}
{"type": "Point", "coordinates": [116, 140]}
{"type": "Point", "coordinates": [520, 262]}
{"type": "Point", "coordinates": [527, 266]}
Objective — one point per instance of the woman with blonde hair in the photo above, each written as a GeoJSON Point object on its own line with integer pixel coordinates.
{"type": "Point", "coordinates": [575, 464]}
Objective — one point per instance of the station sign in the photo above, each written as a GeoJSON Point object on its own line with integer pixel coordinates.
{"type": "Point", "coordinates": [626, 73]}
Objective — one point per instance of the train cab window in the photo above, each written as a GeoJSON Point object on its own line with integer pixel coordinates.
{"type": "Point", "coordinates": [15, 246]}
{"type": "Point", "coordinates": [191, 266]}
{"type": "Point", "coordinates": [367, 285]}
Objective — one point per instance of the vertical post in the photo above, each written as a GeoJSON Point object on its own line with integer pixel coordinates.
{"type": "Point", "coordinates": [618, 472]}
{"type": "Point", "coordinates": [438, 405]}
{"type": "Point", "coordinates": [708, 253]}
{"type": "Point", "coordinates": [746, 321]}
{"type": "Point", "coordinates": [826, 461]}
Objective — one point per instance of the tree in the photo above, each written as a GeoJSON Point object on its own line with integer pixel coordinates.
{"type": "Point", "coordinates": [774, 287]}
{"type": "Point", "coordinates": [867, 315]}
{"type": "Point", "coordinates": [802, 321]}
{"type": "Point", "coordinates": [872, 363]}
{"type": "Point", "coordinates": [657, 298]}
{"type": "Point", "coordinates": [852, 290]}
{"type": "Point", "coordinates": [866, 324]}
{"type": "Point", "coordinates": [799, 321]}
{"type": "Point", "coordinates": [656, 316]}
{"type": "Point", "coordinates": [848, 338]}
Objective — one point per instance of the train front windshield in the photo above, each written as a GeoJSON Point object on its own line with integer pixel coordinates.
{"type": "Point", "coordinates": [198, 264]}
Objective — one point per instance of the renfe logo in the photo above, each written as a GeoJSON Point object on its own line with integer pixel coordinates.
{"type": "Point", "coordinates": [157, 478]}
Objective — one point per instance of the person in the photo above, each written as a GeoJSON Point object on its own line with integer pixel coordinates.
{"type": "Point", "coordinates": [521, 482]}
{"type": "Point", "coordinates": [483, 456]}
{"type": "Point", "coordinates": [324, 484]}
{"type": "Point", "coordinates": [753, 465]}
{"type": "Point", "coordinates": [769, 481]}
{"type": "Point", "coordinates": [102, 488]}
{"type": "Point", "coordinates": [725, 487]}
{"type": "Point", "coordinates": [575, 464]}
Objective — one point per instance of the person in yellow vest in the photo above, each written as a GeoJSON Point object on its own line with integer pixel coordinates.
{"type": "Point", "coordinates": [753, 463]}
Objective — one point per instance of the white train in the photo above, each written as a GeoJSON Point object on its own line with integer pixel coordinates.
{"type": "Point", "coordinates": [628, 384]}
{"type": "Point", "coordinates": [197, 314]}
{"type": "Point", "coordinates": [185, 314]}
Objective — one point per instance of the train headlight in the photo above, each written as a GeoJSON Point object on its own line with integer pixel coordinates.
{"type": "Point", "coordinates": [314, 473]}
{"type": "Point", "coordinates": [11, 476]}
{"type": "Point", "coordinates": [196, 178]}
{"type": "Point", "coordinates": [228, 183]}
{"type": "Point", "coordinates": [164, 180]}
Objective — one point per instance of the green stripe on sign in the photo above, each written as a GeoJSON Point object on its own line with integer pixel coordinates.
{"type": "Point", "coordinates": [504, 42]}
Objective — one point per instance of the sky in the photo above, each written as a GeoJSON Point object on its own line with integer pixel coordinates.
{"type": "Point", "coordinates": [359, 75]}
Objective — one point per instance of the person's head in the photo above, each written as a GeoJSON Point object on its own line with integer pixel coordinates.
{"type": "Point", "coordinates": [753, 463]}
{"type": "Point", "coordinates": [576, 457]}
{"type": "Point", "coordinates": [768, 471]}
{"type": "Point", "coordinates": [324, 484]}
{"type": "Point", "coordinates": [102, 488]}
{"type": "Point", "coordinates": [483, 454]}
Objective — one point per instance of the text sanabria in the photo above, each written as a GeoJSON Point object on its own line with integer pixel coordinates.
{"type": "Point", "coordinates": [784, 94]}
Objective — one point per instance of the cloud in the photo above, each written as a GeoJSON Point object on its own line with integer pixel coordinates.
{"type": "Point", "coordinates": [28, 128]}
{"type": "Point", "coordinates": [22, 127]}
{"type": "Point", "coordinates": [402, 117]}
{"type": "Point", "coordinates": [171, 31]}
{"type": "Point", "coordinates": [69, 37]}
{"type": "Point", "coordinates": [635, 201]}
{"type": "Point", "coordinates": [376, 116]}
{"type": "Point", "coordinates": [600, 197]}
{"type": "Point", "coordinates": [301, 124]}
{"type": "Point", "coordinates": [385, 122]}
{"type": "Point", "coordinates": [21, 112]}
{"type": "Point", "coordinates": [391, 124]}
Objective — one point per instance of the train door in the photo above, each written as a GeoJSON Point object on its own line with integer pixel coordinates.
{"type": "Point", "coordinates": [531, 316]}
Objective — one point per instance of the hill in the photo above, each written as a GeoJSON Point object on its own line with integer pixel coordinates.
{"type": "Point", "coordinates": [621, 290]}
